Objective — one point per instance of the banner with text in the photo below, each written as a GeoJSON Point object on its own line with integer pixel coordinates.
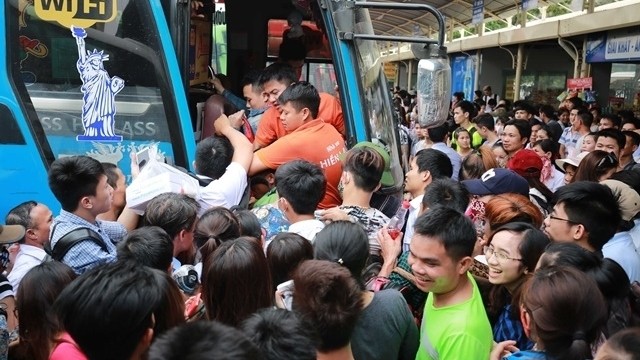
{"type": "Point", "coordinates": [614, 46]}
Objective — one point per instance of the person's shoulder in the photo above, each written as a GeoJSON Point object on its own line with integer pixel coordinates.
{"type": "Point", "coordinates": [390, 297]}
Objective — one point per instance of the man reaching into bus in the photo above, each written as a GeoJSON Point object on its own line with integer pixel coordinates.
{"type": "Point", "coordinates": [274, 79]}
{"type": "Point", "coordinates": [309, 138]}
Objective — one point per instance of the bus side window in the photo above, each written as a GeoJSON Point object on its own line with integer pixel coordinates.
{"type": "Point", "coordinates": [10, 133]}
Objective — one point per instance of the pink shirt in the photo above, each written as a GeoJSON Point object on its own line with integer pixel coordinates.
{"type": "Point", "coordinates": [67, 349]}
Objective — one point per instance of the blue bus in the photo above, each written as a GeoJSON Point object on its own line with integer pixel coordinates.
{"type": "Point", "coordinates": [106, 78]}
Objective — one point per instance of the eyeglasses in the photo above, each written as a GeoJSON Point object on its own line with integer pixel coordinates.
{"type": "Point", "coordinates": [609, 160]}
{"type": "Point", "coordinates": [489, 251]}
{"type": "Point", "coordinates": [561, 219]}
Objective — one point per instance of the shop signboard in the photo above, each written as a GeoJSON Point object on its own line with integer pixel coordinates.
{"type": "Point", "coordinates": [580, 83]}
{"type": "Point", "coordinates": [614, 46]}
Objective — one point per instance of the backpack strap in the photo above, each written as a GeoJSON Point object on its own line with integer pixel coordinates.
{"type": "Point", "coordinates": [68, 241]}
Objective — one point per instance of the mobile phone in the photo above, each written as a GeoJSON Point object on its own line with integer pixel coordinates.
{"type": "Point", "coordinates": [211, 72]}
{"type": "Point", "coordinates": [143, 157]}
{"type": "Point", "coordinates": [286, 289]}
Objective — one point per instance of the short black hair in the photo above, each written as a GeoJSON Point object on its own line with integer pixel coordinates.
{"type": "Point", "coordinates": [438, 133]}
{"type": "Point", "coordinates": [525, 106]}
{"type": "Point", "coordinates": [467, 107]}
{"type": "Point", "coordinates": [615, 134]}
{"type": "Point", "coordinates": [634, 121]}
{"type": "Point", "coordinates": [252, 77]}
{"type": "Point", "coordinates": [523, 126]}
{"type": "Point", "coordinates": [446, 192]}
{"type": "Point", "coordinates": [281, 334]}
{"type": "Point", "coordinates": [21, 215]}
{"type": "Point", "coordinates": [366, 165]}
{"type": "Point", "coordinates": [615, 119]}
{"type": "Point", "coordinates": [635, 137]}
{"type": "Point", "coordinates": [172, 212]}
{"type": "Point", "coordinates": [74, 177]}
{"type": "Point", "coordinates": [435, 162]}
{"type": "Point", "coordinates": [452, 228]}
{"type": "Point", "coordinates": [302, 184]}
{"type": "Point", "coordinates": [213, 156]}
{"type": "Point", "coordinates": [149, 246]}
{"type": "Point", "coordinates": [284, 253]}
{"type": "Point", "coordinates": [292, 50]}
{"type": "Point", "coordinates": [203, 340]}
{"type": "Point", "coordinates": [280, 72]}
{"type": "Point", "coordinates": [249, 223]}
{"type": "Point", "coordinates": [548, 111]}
{"type": "Point", "coordinates": [586, 118]}
{"type": "Point", "coordinates": [109, 308]}
{"type": "Point", "coordinates": [330, 298]}
{"type": "Point", "coordinates": [485, 120]}
{"type": "Point", "coordinates": [603, 217]}
{"type": "Point", "coordinates": [112, 175]}
{"type": "Point", "coordinates": [301, 95]}
{"type": "Point", "coordinates": [576, 101]}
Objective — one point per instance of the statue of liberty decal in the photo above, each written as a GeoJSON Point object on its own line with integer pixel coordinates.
{"type": "Point", "coordinates": [99, 91]}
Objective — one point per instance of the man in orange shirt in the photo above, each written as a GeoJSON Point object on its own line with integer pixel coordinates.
{"type": "Point", "coordinates": [309, 138]}
{"type": "Point", "coordinates": [274, 79]}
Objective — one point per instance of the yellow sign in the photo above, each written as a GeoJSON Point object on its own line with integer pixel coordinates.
{"type": "Point", "coordinates": [391, 70]}
{"type": "Point", "coordinates": [81, 13]}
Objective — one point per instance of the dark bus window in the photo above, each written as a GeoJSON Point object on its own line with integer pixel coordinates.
{"type": "Point", "coordinates": [10, 133]}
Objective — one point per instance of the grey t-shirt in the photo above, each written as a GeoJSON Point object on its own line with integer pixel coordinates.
{"type": "Point", "coordinates": [386, 329]}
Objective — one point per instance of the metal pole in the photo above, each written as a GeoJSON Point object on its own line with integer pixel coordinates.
{"type": "Point", "coordinates": [516, 82]}
{"type": "Point", "coordinates": [409, 73]}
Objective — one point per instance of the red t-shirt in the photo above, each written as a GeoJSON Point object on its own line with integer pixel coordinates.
{"type": "Point", "coordinates": [316, 142]}
{"type": "Point", "coordinates": [270, 128]}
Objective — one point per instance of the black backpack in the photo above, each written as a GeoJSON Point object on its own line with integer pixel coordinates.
{"type": "Point", "coordinates": [73, 237]}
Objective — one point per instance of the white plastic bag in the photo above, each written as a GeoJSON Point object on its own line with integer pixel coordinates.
{"type": "Point", "coordinates": [157, 178]}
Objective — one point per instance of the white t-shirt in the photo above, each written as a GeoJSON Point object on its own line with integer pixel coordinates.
{"type": "Point", "coordinates": [307, 228]}
{"type": "Point", "coordinates": [226, 191]}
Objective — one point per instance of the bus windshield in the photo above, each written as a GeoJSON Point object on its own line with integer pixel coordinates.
{"type": "Point", "coordinates": [101, 91]}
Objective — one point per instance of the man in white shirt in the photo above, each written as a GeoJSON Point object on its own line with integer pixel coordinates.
{"type": "Point", "coordinates": [428, 165]}
{"type": "Point", "coordinates": [223, 161]}
{"type": "Point", "coordinates": [36, 219]}
{"type": "Point", "coordinates": [301, 186]}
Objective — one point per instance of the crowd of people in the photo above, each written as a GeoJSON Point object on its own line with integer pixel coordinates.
{"type": "Point", "coordinates": [520, 240]}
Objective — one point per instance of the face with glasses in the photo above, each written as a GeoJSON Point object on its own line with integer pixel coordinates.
{"type": "Point", "coordinates": [504, 258]}
{"type": "Point", "coordinates": [558, 226]}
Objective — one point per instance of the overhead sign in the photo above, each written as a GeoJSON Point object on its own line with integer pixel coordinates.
{"type": "Point", "coordinates": [529, 4]}
{"type": "Point", "coordinates": [80, 13]}
{"type": "Point", "coordinates": [614, 46]}
{"type": "Point", "coordinates": [478, 12]}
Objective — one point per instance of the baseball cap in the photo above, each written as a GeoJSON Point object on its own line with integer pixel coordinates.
{"type": "Point", "coordinates": [526, 163]}
{"type": "Point", "coordinates": [575, 161]}
{"type": "Point", "coordinates": [627, 198]}
{"type": "Point", "coordinates": [387, 178]}
{"type": "Point", "coordinates": [10, 234]}
{"type": "Point", "coordinates": [498, 181]}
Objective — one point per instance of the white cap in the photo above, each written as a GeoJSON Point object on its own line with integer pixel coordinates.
{"type": "Point", "coordinates": [575, 161]}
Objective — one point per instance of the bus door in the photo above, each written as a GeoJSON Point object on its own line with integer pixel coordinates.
{"type": "Point", "coordinates": [93, 78]}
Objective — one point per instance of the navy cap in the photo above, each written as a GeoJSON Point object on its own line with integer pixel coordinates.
{"type": "Point", "coordinates": [498, 181]}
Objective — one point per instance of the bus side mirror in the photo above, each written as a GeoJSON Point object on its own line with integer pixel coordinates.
{"type": "Point", "coordinates": [434, 87]}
